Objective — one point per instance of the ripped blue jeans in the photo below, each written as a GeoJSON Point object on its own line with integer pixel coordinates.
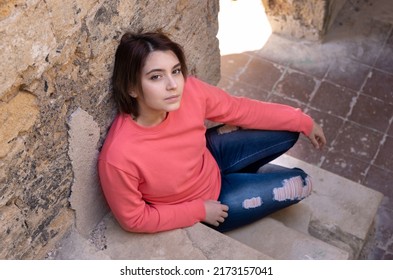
{"type": "Point", "coordinates": [251, 187]}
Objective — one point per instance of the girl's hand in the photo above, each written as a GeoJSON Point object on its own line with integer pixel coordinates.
{"type": "Point", "coordinates": [215, 212]}
{"type": "Point", "coordinates": [317, 137]}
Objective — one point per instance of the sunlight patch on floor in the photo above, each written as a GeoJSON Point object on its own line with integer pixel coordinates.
{"type": "Point", "coordinates": [243, 26]}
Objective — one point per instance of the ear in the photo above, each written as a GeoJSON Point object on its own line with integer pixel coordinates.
{"type": "Point", "coordinates": [133, 94]}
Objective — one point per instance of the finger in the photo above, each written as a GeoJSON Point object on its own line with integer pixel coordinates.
{"type": "Point", "coordinates": [224, 214]}
{"type": "Point", "coordinates": [321, 142]}
{"type": "Point", "coordinates": [323, 139]}
{"type": "Point", "coordinates": [314, 142]}
{"type": "Point", "coordinates": [320, 136]}
{"type": "Point", "coordinates": [221, 220]}
{"type": "Point", "coordinates": [225, 207]}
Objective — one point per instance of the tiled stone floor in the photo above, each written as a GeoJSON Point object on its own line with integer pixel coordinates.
{"type": "Point", "coordinates": [345, 83]}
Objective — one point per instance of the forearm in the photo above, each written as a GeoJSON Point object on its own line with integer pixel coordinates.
{"type": "Point", "coordinates": [157, 218]}
{"type": "Point", "coordinates": [255, 114]}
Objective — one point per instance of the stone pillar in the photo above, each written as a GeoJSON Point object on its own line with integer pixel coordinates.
{"type": "Point", "coordinates": [302, 19]}
{"type": "Point", "coordinates": [55, 67]}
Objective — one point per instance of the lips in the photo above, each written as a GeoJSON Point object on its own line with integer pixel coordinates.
{"type": "Point", "coordinates": [172, 98]}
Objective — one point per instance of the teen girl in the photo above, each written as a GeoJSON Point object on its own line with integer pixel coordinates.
{"type": "Point", "coordinates": [161, 169]}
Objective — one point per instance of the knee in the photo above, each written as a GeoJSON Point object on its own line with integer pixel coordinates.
{"type": "Point", "coordinates": [294, 188]}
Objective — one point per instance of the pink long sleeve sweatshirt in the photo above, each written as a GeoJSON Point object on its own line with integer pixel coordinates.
{"type": "Point", "coordinates": [157, 178]}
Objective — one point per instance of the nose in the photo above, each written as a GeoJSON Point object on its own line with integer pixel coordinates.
{"type": "Point", "coordinates": [171, 83]}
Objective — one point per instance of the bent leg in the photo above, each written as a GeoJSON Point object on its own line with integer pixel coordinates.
{"type": "Point", "coordinates": [251, 197]}
{"type": "Point", "coordinates": [245, 150]}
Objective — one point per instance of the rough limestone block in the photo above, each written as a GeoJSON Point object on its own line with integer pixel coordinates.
{"type": "Point", "coordinates": [297, 217]}
{"type": "Point", "coordinates": [76, 247]}
{"type": "Point", "coordinates": [216, 245]}
{"type": "Point", "coordinates": [196, 242]}
{"type": "Point", "coordinates": [16, 116]}
{"type": "Point", "coordinates": [110, 241]}
{"type": "Point", "coordinates": [86, 196]}
{"type": "Point", "coordinates": [308, 19]}
{"type": "Point", "coordinates": [283, 243]}
{"type": "Point", "coordinates": [342, 210]}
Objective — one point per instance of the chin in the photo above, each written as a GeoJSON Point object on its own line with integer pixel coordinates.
{"type": "Point", "coordinates": [173, 107]}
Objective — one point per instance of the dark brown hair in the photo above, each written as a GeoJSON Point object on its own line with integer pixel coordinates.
{"type": "Point", "coordinates": [130, 58]}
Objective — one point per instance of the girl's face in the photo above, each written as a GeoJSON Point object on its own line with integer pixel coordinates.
{"type": "Point", "coordinates": [162, 85]}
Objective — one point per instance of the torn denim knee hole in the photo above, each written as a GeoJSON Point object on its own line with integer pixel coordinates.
{"type": "Point", "coordinates": [293, 189]}
{"type": "Point", "coordinates": [252, 202]}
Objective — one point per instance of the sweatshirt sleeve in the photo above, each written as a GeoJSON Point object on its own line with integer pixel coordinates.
{"type": "Point", "coordinates": [134, 214]}
{"type": "Point", "coordinates": [249, 113]}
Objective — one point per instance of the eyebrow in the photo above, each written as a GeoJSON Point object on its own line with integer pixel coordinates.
{"type": "Point", "coordinates": [162, 70]}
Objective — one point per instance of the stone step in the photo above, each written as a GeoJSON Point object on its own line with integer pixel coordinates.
{"type": "Point", "coordinates": [332, 223]}
{"type": "Point", "coordinates": [110, 242]}
{"type": "Point", "coordinates": [339, 211]}
{"type": "Point", "coordinates": [284, 243]}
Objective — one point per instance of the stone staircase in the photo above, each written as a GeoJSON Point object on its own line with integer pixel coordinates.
{"type": "Point", "coordinates": [333, 223]}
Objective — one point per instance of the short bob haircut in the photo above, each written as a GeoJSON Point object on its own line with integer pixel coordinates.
{"type": "Point", "coordinates": [130, 58]}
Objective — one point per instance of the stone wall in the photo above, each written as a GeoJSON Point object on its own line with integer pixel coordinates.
{"type": "Point", "coordinates": [55, 105]}
{"type": "Point", "coordinates": [302, 19]}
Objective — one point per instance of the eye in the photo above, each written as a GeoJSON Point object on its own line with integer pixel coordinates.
{"type": "Point", "coordinates": [155, 77]}
{"type": "Point", "coordinates": [176, 71]}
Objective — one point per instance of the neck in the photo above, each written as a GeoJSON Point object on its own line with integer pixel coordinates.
{"type": "Point", "coordinates": [150, 120]}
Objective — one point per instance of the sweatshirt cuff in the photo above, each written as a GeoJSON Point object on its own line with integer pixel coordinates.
{"type": "Point", "coordinates": [198, 207]}
{"type": "Point", "coordinates": [306, 124]}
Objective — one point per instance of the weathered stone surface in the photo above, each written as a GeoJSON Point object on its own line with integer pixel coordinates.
{"type": "Point", "coordinates": [86, 196]}
{"type": "Point", "coordinates": [49, 68]}
{"type": "Point", "coordinates": [307, 19]}
{"type": "Point", "coordinates": [17, 116]}
{"type": "Point", "coordinates": [284, 243]}
{"type": "Point", "coordinates": [198, 242]}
